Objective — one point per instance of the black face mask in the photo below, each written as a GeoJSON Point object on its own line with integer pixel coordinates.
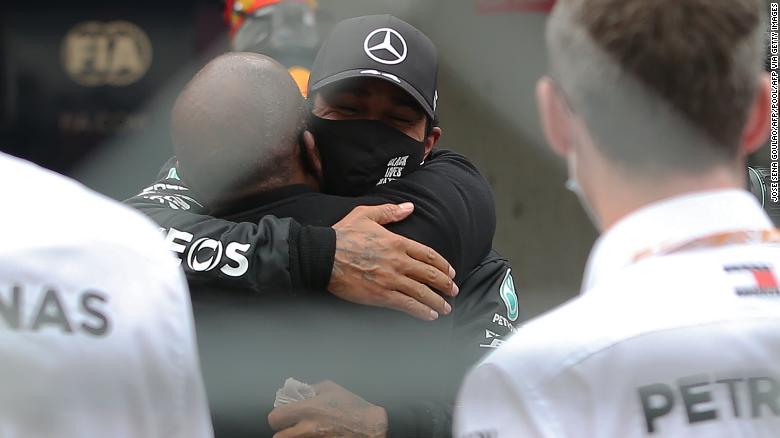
{"type": "Point", "coordinates": [358, 155]}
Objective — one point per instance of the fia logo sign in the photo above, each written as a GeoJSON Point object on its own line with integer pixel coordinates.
{"type": "Point", "coordinates": [116, 53]}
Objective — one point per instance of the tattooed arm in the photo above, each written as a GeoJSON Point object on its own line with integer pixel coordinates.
{"type": "Point", "coordinates": [367, 264]}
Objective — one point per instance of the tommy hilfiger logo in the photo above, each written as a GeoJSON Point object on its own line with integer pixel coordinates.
{"type": "Point", "coordinates": [758, 279]}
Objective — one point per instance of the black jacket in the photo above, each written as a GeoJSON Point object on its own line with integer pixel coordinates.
{"type": "Point", "coordinates": [262, 316]}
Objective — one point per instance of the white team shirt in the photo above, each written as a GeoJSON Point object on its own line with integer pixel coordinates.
{"type": "Point", "coordinates": [96, 329]}
{"type": "Point", "coordinates": [685, 344]}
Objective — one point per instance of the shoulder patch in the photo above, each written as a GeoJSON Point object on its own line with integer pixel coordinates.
{"type": "Point", "coordinates": [172, 174]}
{"type": "Point", "coordinates": [509, 296]}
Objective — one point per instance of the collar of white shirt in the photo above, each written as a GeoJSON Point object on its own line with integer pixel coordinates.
{"type": "Point", "coordinates": [672, 221]}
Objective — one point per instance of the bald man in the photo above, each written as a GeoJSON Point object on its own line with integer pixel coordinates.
{"type": "Point", "coordinates": [235, 129]}
{"type": "Point", "coordinates": [241, 151]}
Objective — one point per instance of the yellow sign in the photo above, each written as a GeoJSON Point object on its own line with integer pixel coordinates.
{"type": "Point", "coordinates": [116, 53]}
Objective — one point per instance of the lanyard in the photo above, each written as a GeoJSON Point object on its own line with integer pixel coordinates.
{"type": "Point", "coordinates": [746, 237]}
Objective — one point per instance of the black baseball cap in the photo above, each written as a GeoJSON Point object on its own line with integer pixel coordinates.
{"type": "Point", "coordinates": [383, 47]}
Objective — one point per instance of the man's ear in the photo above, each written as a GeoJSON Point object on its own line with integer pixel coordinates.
{"type": "Point", "coordinates": [555, 116]}
{"type": "Point", "coordinates": [312, 154]}
{"type": "Point", "coordinates": [759, 120]}
{"type": "Point", "coordinates": [431, 140]}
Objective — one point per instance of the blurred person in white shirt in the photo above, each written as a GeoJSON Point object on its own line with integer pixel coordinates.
{"type": "Point", "coordinates": [96, 329]}
{"type": "Point", "coordinates": [655, 106]}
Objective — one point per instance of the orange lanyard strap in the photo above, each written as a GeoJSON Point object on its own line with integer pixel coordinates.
{"type": "Point", "coordinates": [749, 237]}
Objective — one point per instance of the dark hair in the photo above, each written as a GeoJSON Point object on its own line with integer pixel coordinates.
{"type": "Point", "coordinates": [638, 69]}
{"type": "Point", "coordinates": [432, 123]}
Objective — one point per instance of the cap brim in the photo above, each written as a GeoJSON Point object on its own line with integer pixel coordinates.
{"type": "Point", "coordinates": [362, 73]}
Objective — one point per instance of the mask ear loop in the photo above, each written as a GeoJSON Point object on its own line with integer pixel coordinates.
{"type": "Point", "coordinates": [309, 108]}
{"type": "Point", "coordinates": [431, 123]}
{"type": "Point", "coordinates": [572, 183]}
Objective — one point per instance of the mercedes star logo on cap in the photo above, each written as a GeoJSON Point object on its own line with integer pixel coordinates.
{"type": "Point", "coordinates": [385, 46]}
